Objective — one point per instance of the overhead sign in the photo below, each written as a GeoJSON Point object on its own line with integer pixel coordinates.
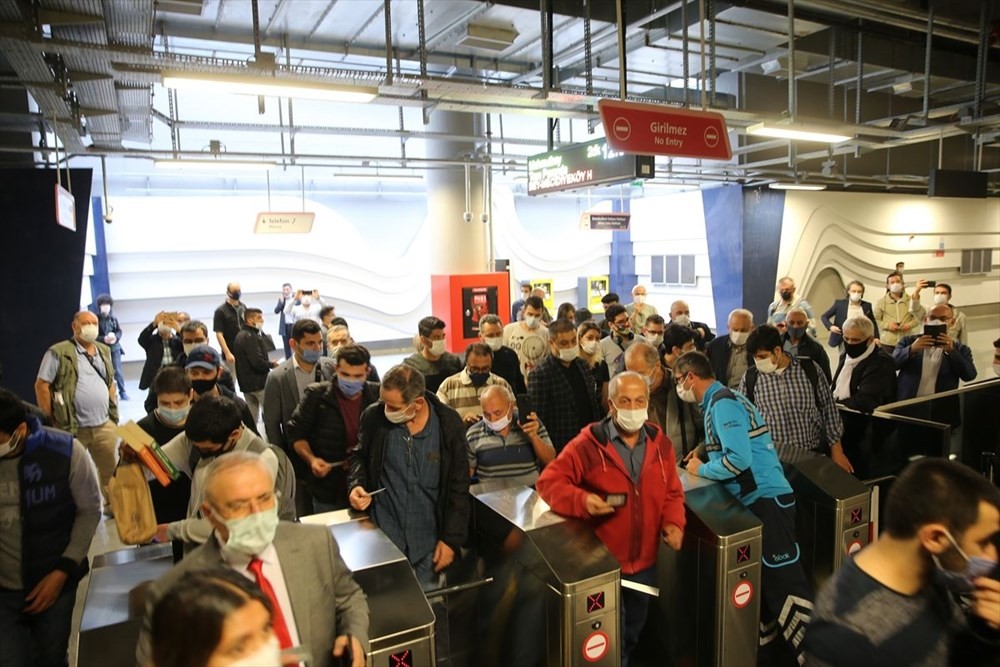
{"type": "Point", "coordinates": [284, 223]}
{"type": "Point", "coordinates": [615, 222]}
{"type": "Point", "coordinates": [656, 129]}
{"type": "Point", "coordinates": [584, 165]}
{"type": "Point", "coordinates": [65, 208]}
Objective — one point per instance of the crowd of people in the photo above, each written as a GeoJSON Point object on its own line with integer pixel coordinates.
{"type": "Point", "coordinates": [589, 410]}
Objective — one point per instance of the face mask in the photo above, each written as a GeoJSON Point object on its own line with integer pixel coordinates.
{"type": "Point", "coordinates": [306, 301]}
{"type": "Point", "coordinates": [532, 321]}
{"type": "Point", "coordinates": [855, 350]}
{"type": "Point", "coordinates": [7, 447]}
{"type": "Point", "coordinates": [173, 416]}
{"type": "Point", "coordinates": [961, 582]}
{"type": "Point", "coordinates": [250, 535]}
{"type": "Point", "coordinates": [683, 320]}
{"type": "Point", "coordinates": [639, 299]}
{"type": "Point", "coordinates": [494, 343]}
{"type": "Point", "coordinates": [437, 348]}
{"type": "Point", "coordinates": [259, 326]}
{"type": "Point", "coordinates": [310, 356]}
{"type": "Point", "coordinates": [105, 309]}
{"type": "Point", "coordinates": [896, 288]}
{"type": "Point", "coordinates": [268, 655]}
{"type": "Point", "coordinates": [190, 346]}
{"type": "Point", "coordinates": [235, 295]}
{"type": "Point", "coordinates": [350, 388]}
{"type": "Point", "coordinates": [399, 417]}
{"type": "Point", "coordinates": [479, 379]}
{"type": "Point", "coordinates": [796, 332]}
{"type": "Point", "coordinates": [203, 386]}
{"type": "Point", "coordinates": [765, 365]}
{"type": "Point", "coordinates": [569, 354]}
{"type": "Point", "coordinates": [686, 395]}
{"type": "Point", "coordinates": [940, 298]}
{"type": "Point", "coordinates": [739, 338]}
{"type": "Point", "coordinates": [630, 420]}
{"type": "Point", "coordinates": [654, 339]}
{"type": "Point", "coordinates": [499, 424]}
{"type": "Point", "coordinates": [786, 295]}
{"type": "Point", "coordinates": [855, 297]}
{"type": "Point", "coordinates": [589, 346]}
{"type": "Point", "coordinates": [88, 333]}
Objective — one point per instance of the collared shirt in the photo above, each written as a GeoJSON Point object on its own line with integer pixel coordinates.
{"type": "Point", "coordinates": [274, 575]}
{"type": "Point", "coordinates": [458, 392]}
{"type": "Point", "coordinates": [411, 475]}
{"type": "Point", "coordinates": [168, 353]}
{"type": "Point", "coordinates": [853, 310]}
{"type": "Point", "coordinates": [737, 365]}
{"type": "Point", "coordinates": [91, 403]}
{"type": "Point", "coordinates": [509, 457]}
{"type": "Point", "coordinates": [791, 348]}
{"type": "Point", "coordinates": [303, 378]}
{"type": "Point", "coordinates": [929, 368]}
{"type": "Point", "coordinates": [632, 457]}
{"type": "Point", "coordinates": [787, 402]}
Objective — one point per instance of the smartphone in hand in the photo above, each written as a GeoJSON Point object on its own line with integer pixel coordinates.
{"type": "Point", "coordinates": [525, 406]}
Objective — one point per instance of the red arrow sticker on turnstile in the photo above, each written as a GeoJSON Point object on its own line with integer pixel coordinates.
{"type": "Point", "coordinates": [742, 594]}
{"type": "Point", "coordinates": [401, 659]}
{"type": "Point", "coordinates": [595, 646]}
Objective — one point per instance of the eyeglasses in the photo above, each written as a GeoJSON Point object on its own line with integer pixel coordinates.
{"type": "Point", "coordinates": [480, 370]}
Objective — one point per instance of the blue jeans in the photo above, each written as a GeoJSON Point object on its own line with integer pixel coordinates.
{"type": "Point", "coordinates": [116, 362]}
{"type": "Point", "coordinates": [635, 608]}
{"type": "Point", "coordinates": [35, 640]}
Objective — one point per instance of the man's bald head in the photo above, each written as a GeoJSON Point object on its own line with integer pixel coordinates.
{"type": "Point", "coordinates": [940, 312]}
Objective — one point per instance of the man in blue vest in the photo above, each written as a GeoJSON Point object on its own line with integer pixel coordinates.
{"type": "Point", "coordinates": [50, 505]}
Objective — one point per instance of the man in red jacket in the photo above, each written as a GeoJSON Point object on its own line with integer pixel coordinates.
{"type": "Point", "coordinates": [620, 474]}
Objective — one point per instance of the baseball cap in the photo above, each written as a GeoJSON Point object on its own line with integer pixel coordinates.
{"type": "Point", "coordinates": [203, 356]}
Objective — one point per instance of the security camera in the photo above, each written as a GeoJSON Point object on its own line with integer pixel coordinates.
{"type": "Point", "coordinates": [485, 217]}
{"type": "Point", "coordinates": [467, 216]}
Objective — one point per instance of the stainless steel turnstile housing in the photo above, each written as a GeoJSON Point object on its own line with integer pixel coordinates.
{"type": "Point", "coordinates": [833, 510]}
{"type": "Point", "coordinates": [710, 590]}
{"type": "Point", "coordinates": [580, 577]}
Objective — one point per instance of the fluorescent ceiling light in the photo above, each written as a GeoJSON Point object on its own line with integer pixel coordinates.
{"type": "Point", "coordinates": [380, 176]}
{"type": "Point", "coordinates": [799, 132]}
{"type": "Point", "coordinates": [268, 87]}
{"type": "Point", "coordinates": [213, 165]}
{"type": "Point", "coordinates": [796, 186]}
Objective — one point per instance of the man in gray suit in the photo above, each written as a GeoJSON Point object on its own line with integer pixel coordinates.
{"type": "Point", "coordinates": [317, 604]}
{"type": "Point", "coordinates": [284, 387]}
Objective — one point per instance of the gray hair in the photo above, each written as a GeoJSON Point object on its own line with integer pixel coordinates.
{"type": "Point", "coordinates": [489, 318]}
{"type": "Point", "coordinates": [492, 389]}
{"type": "Point", "coordinates": [643, 351]}
{"type": "Point", "coordinates": [617, 380]}
{"type": "Point", "coordinates": [740, 312]}
{"type": "Point", "coordinates": [228, 462]}
{"type": "Point", "coordinates": [797, 309]}
{"type": "Point", "coordinates": [407, 380]}
{"type": "Point", "coordinates": [862, 324]}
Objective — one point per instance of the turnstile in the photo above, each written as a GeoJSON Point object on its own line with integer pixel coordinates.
{"type": "Point", "coordinates": [833, 510]}
{"type": "Point", "coordinates": [557, 564]}
{"type": "Point", "coordinates": [710, 590]}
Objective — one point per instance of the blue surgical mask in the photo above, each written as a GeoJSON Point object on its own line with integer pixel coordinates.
{"type": "Point", "coordinates": [796, 332]}
{"type": "Point", "coordinates": [961, 582]}
{"type": "Point", "coordinates": [174, 416]}
{"type": "Point", "coordinates": [350, 388]}
{"type": "Point", "coordinates": [311, 356]}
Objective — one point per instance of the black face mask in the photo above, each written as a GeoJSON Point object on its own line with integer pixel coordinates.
{"type": "Point", "coordinates": [786, 295]}
{"type": "Point", "coordinates": [203, 386]}
{"type": "Point", "coordinates": [235, 295]}
{"type": "Point", "coordinates": [855, 350]}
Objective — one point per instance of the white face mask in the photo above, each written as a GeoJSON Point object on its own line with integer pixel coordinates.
{"type": "Point", "coordinates": [739, 338]}
{"type": "Point", "coordinates": [855, 296]}
{"type": "Point", "coordinates": [399, 417]}
{"type": "Point", "coordinates": [104, 308]}
{"type": "Point", "coordinates": [499, 424]}
{"type": "Point", "coordinates": [765, 365]}
{"type": "Point", "coordinates": [686, 395]}
{"type": "Point", "coordinates": [7, 447]}
{"type": "Point", "coordinates": [189, 346]}
{"type": "Point", "coordinates": [639, 299]}
{"type": "Point", "coordinates": [589, 346]}
{"type": "Point", "coordinates": [532, 321]}
{"type": "Point", "coordinates": [570, 353]}
{"type": "Point", "coordinates": [268, 655]}
{"type": "Point", "coordinates": [940, 298]}
{"type": "Point", "coordinates": [250, 535]}
{"type": "Point", "coordinates": [437, 348]}
{"type": "Point", "coordinates": [683, 320]}
{"type": "Point", "coordinates": [494, 343]}
{"type": "Point", "coordinates": [88, 333]}
{"type": "Point", "coordinates": [630, 420]}
{"type": "Point", "coordinates": [896, 288]}
{"type": "Point", "coordinates": [306, 301]}
{"type": "Point", "coordinates": [654, 339]}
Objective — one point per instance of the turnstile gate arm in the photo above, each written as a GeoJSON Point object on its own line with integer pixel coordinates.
{"type": "Point", "coordinates": [642, 588]}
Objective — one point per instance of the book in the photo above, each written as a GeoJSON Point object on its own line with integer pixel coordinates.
{"type": "Point", "coordinates": [143, 444]}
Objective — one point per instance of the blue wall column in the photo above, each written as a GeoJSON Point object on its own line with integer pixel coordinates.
{"type": "Point", "coordinates": [100, 280]}
{"type": "Point", "coordinates": [622, 265]}
{"type": "Point", "coordinates": [724, 233]}
{"type": "Point", "coordinates": [763, 210]}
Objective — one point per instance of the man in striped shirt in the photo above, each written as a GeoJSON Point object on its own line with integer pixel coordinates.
{"type": "Point", "coordinates": [461, 391]}
{"type": "Point", "coordinates": [506, 445]}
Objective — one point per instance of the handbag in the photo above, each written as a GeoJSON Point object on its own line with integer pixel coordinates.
{"type": "Point", "coordinates": [132, 504]}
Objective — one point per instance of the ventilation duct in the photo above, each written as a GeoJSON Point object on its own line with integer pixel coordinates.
{"type": "Point", "coordinates": [488, 38]}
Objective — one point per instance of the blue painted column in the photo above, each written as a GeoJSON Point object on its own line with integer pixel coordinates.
{"type": "Point", "coordinates": [724, 233]}
{"type": "Point", "coordinates": [621, 270]}
{"type": "Point", "coordinates": [100, 281]}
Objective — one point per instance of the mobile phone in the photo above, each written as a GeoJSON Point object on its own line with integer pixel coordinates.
{"type": "Point", "coordinates": [307, 292]}
{"type": "Point", "coordinates": [616, 499]}
{"type": "Point", "coordinates": [931, 283]}
{"type": "Point", "coordinates": [525, 406]}
{"type": "Point", "coordinates": [934, 330]}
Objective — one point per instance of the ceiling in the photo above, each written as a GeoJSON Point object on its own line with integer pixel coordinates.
{"type": "Point", "coordinates": [532, 69]}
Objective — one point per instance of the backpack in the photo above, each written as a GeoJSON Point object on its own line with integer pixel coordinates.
{"type": "Point", "coordinates": [810, 371]}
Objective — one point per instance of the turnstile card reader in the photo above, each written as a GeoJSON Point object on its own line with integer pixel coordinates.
{"type": "Point", "coordinates": [579, 577]}
{"type": "Point", "coordinates": [710, 590]}
{"type": "Point", "coordinates": [833, 510]}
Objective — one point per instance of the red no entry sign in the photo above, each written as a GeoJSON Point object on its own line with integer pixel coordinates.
{"type": "Point", "coordinates": [596, 646]}
{"type": "Point", "coordinates": [655, 129]}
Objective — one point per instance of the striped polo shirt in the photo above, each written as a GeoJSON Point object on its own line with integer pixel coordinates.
{"type": "Point", "coordinates": [458, 392]}
{"type": "Point", "coordinates": [510, 458]}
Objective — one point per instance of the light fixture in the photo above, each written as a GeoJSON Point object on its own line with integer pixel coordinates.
{"type": "Point", "coordinates": [213, 165]}
{"type": "Point", "coordinates": [902, 87]}
{"type": "Point", "coordinates": [268, 87]}
{"type": "Point", "coordinates": [771, 66]}
{"type": "Point", "coordinates": [796, 186]}
{"type": "Point", "coordinates": [488, 38]}
{"type": "Point", "coordinates": [795, 131]}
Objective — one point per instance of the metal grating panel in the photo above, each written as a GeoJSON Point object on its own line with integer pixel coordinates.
{"type": "Point", "coordinates": [130, 23]}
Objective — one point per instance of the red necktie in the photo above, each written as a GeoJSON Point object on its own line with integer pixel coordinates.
{"type": "Point", "coordinates": [278, 618]}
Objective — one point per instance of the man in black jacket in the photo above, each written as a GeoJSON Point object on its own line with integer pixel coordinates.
{"type": "Point", "coordinates": [798, 343]}
{"type": "Point", "coordinates": [109, 332]}
{"type": "Point", "coordinates": [413, 446]}
{"type": "Point", "coordinates": [252, 363]}
{"type": "Point", "coordinates": [323, 429]}
{"type": "Point", "coordinates": [728, 353]}
{"type": "Point", "coordinates": [162, 345]}
{"type": "Point", "coordinates": [866, 374]}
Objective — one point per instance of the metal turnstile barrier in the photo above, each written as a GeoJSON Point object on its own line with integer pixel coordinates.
{"type": "Point", "coordinates": [710, 590]}
{"type": "Point", "coordinates": [552, 572]}
{"type": "Point", "coordinates": [833, 511]}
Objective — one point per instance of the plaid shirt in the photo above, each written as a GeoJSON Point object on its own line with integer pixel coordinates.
{"type": "Point", "coordinates": [788, 404]}
{"type": "Point", "coordinates": [553, 398]}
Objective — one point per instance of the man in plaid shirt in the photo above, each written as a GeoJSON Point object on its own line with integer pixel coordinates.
{"type": "Point", "coordinates": [799, 409]}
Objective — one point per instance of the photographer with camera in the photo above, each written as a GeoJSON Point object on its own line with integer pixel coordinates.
{"type": "Point", "coordinates": [932, 362]}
